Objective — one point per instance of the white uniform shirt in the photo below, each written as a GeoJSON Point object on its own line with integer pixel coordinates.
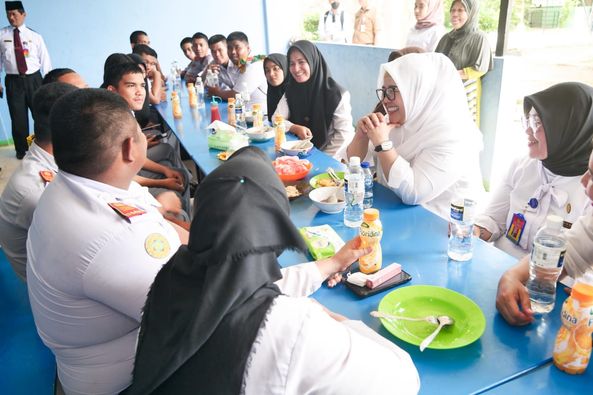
{"type": "Point", "coordinates": [227, 75]}
{"type": "Point", "coordinates": [196, 67]}
{"type": "Point", "coordinates": [300, 349]}
{"type": "Point", "coordinates": [427, 39]}
{"type": "Point", "coordinates": [88, 274]}
{"type": "Point", "coordinates": [579, 248]}
{"type": "Point", "coordinates": [340, 130]}
{"type": "Point", "coordinates": [253, 81]}
{"type": "Point", "coordinates": [331, 28]}
{"type": "Point", "coordinates": [524, 181]}
{"type": "Point", "coordinates": [36, 54]}
{"type": "Point", "coordinates": [18, 203]}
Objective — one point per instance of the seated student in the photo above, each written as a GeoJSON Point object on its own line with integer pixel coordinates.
{"type": "Point", "coordinates": [276, 70]}
{"type": "Point", "coordinates": [226, 70]}
{"type": "Point", "coordinates": [217, 321]}
{"type": "Point", "coordinates": [188, 51]}
{"type": "Point", "coordinates": [139, 37]}
{"type": "Point", "coordinates": [96, 242]}
{"type": "Point", "coordinates": [512, 298]}
{"type": "Point", "coordinates": [546, 181]}
{"type": "Point", "coordinates": [149, 55]}
{"type": "Point", "coordinates": [250, 76]}
{"type": "Point", "coordinates": [201, 59]}
{"type": "Point", "coordinates": [65, 75]}
{"type": "Point", "coordinates": [314, 105]}
{"type": "Point", "coordinates": [425, 156]}
{"type": "Point", "coordinates": [28, 181]}
{"type": "Point", "coordinates": [127, 80]}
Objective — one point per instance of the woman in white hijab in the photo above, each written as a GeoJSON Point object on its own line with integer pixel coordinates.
{"type": "Point", "coordinates": [427, 147]}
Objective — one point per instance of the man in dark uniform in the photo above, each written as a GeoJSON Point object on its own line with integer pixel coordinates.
{"type": "Point", "coordinates": [23, 55]}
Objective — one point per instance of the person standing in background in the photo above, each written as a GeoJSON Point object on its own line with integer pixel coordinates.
{"type": "Point", "coordinates": [366, 25]}
{"type": "Point", "coordinates": [334, 24]}
{"type": "Point", "coordinates": [22, 55]}
{"type": "Point", "coordinates": [429, 28]}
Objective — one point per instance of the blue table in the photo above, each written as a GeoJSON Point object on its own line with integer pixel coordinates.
{"type": "Point", "coordinates": [28, 367]}
{"type": "Point", "coordinates": [548, 380]}
{"type": "Point", "coordinates": [417, 239]}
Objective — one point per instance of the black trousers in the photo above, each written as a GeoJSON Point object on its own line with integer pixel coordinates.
{"type": "Point", "coordinates": [19, 95]}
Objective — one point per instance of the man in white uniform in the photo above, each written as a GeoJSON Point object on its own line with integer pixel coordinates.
{"type": "Point", "coordinates": [96, 243]}
{"type": "Point", "coordinates": [250, 78]}
{"type": "Point", "coordinates": [22, 55]}
{"type": "Point", "coordinates": [334, 24]}
{"type": "Point", "coordinates": [29, 180]}
{"type": "Point", "coordinates": [221, 65]}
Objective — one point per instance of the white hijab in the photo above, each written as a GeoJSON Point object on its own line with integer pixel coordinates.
{"type": "Point", "coordinates": [438, 124]}
{"type": "Point", "coordinates": [435, 104]}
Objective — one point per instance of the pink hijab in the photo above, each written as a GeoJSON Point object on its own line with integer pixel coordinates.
{"type": "Point", "coordinates": [435, 16]}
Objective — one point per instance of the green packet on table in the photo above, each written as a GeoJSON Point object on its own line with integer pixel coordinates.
{"type": "Point", "coordinates": [322, 241]}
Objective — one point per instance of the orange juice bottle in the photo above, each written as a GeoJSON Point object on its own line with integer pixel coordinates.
{"type": "Point", "coordinates": [193, 98]}
{"type": "Point", "coordinates": [176, 105]}
{"type": "Point", "coordinates": [572, 349]}
{"type": "Point", "coordinates": [231, 111]}
{"type": "Point", "coordinates": [370, 232]}
{"type": "Point", "coordinates": [257, 115]}
{"type": "Point", "coordinates": [280, 132]}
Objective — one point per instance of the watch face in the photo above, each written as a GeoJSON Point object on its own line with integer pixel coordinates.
{"type": "Point", "coordinates": [384, 146]}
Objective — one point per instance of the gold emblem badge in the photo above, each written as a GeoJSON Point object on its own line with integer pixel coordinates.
{"type": "Point", "coordinates": [157, 245]}
{"type": "Point", "coordinates": [568, 208]}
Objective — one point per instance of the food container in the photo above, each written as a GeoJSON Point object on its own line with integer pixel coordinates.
{"type": "Point", "coordinates": [320, 197]}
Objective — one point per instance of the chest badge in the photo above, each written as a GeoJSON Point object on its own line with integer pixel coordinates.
{"type": "Point", "coordinates": [157, 245]}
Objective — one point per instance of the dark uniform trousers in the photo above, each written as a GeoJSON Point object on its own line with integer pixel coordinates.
{"type": "Point", "coordinates": [19, 95]}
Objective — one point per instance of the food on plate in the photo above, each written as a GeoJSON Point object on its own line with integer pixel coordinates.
{"type": "Point", "coordinates": [224, 155]}
{"type": "Point", "coordinates": [292, 191]}
{"type": "Point", "coordinates": [333, 198]}
{"type": "Point", "coordinates": [291, 165]}
{"type": "Point", "coordinates": [326, 182]}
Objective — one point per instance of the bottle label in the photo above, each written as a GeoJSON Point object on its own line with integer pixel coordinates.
{"type": "Point", "coordinates": [456, 212]}
{"type": "Point", "coordinates": [370, 231]}
{"type": "Point", "coordinates": [572, 347]}
{"type": "Point", "coordinates": [546, 257]}
{"type": "Point", "coordinates": [356, 189]}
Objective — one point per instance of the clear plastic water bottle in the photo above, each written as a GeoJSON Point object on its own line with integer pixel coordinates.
{"type": "Point", "coordinates": [200, 93]}
{"type": "Point", "coordinates": [368, 185]}
{"type": "Point", "coordinates": [461, 231]}
{"type": "Point", "coordinates": [211, 78]}
{"type": "Point", "coordinates": [239, 113]}
{"type": "Point", "coordinates": [175, 78]}
{"type": "Point", "coordinates": [354, 193]}
{"type": "Point", "coordinates": [545, 264]}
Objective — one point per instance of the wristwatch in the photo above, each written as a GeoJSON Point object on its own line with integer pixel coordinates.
{"type": "Point", "coordinates": [384, 146]}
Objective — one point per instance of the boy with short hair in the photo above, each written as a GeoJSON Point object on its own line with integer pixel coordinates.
{"type": "Point", "coordinates": [155, 79]}
{"type": "Point", "coordinates": [202, 57]}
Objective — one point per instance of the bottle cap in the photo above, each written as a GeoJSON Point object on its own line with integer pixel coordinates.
{"type": "Point", "coordinates": [231, 100]}
{"type": "Point", "coordinates": [190, 85]}
{"type": "Point", "coordinates": [215, 100]}
{"type": "Point", "coordinates": [583, 288]}
{"type": "Point", "coordinates": [237, 96]}
{"type": "Point", "coordinates": [256, 106]}
{"type": "Point", "coordinates": [354, 161]}
{"type": "Point", "coordinates": [365, 165]}
{"type": "Point", "coordinates": [370, 214]}
{"type": "Point", "coordinates": [554, 222]}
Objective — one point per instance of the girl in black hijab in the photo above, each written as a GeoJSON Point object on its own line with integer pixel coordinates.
{"type": "Point", "coordinates": [209, 301]}
{"type": "Point", "coordinates": [315, 105]}
{"type": "Point", "coordinates": [276, 70]}
{"type": "Point", "coordinates": [558, 124]}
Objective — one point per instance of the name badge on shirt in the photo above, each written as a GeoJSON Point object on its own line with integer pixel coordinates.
{"type": "Point", "coordinates": [157, 245]}
{"type": "Point", "coordinates": [516, 228]}
{"type": "Point", "coordinates": [126, 211]}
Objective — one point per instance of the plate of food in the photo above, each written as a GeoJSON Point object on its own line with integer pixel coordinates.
{"type": "Point", "coordinates": [427, 300]}
{"type": "Point", "coordinates": [260, 134]}
{"type": "Point", "coordinates": [291, 168]}
{"type": "Point", "coordinates": [324, 180]}
{"type": "Point", "coordinates": [295, 190]}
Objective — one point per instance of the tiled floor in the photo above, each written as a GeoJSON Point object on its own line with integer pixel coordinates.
{"type": "Point", "coordinates": [8, 162]}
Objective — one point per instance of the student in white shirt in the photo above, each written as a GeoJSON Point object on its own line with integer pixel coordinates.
{"type": "Point", "coordinates": [335, 25]}
{"type": "Point", "coordinates": [221, 65]}
{"type": "Point", "coordinates": [28, 181]}
{"type": "Point", "coordinates": [96, 242]}
{"type": "Point", "coordinates": [202, 57]}
{"type": "Point", "coordinates": [188, 51]}
{"type": "Point", "coordinates": [429, 27]}
{"type": "Point", "coordinates": [314, 105]}
{"type": "Point", "coordinates": [558, 127]}
{"type": "Point", "coordinates": [512, 298]}
{"type": "Point", "coordinates": [216, 322]}
{"type": "Point", "coordinates": [427, 147]}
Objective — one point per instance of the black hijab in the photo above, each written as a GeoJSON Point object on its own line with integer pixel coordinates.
{"type": "Point", "coordinates": [207, 303]}
{"type": "Point", "coordinates": [275, 92]}
{"type": "Point", "coordinates": [313, 103]}
{"type": "Point", "coordinates": [566, 112]}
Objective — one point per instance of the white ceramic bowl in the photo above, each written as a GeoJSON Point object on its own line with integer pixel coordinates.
{"type": "Point", "coordinates": [262, 133]}
{"type": "Point", "coordinates": [288, 147]}
{"type": "Point", "coordinates": [318, 196]}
